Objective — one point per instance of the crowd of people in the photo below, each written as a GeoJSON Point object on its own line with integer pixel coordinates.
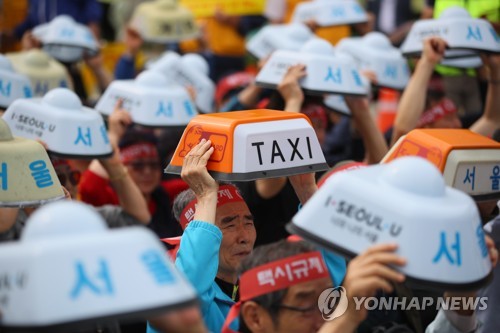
{"type": "Point", "coordinates": [223, 235]}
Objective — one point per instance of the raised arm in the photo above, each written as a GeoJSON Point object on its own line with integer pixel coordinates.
{"type": "Point", "coordinates": [373, 140]}
{"type": "Point", "coordinates": [490, 120]}
{"type": "Point", "coordinates": [130, 197]}
{"type": "Point", "coordinates": [412, 103]}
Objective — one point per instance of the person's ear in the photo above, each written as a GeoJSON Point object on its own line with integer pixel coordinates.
{"type": "Point", "coordinates": [255, 317]}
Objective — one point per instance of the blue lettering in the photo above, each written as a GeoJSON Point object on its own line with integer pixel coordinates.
{"type": "Point", "coordinates": [474, 33]}
{"type": "Point", "coordinates": [27, 92]}
{"type": "Point", "coordinates": [481, 241]}
{"type": "Point", "coordinates": [104, 134]}
{"type": "Point", "coordinates": [443, 250]}
{"type": "Point", "coordinates": [338, 12]}
{"type": "Point", "coordinates": [334, 76]}
{"type": "Point", "coordinates": [357, 78]}
{"type": "Point", "coordinates": [41, 174]}
{"type": "Point", "coordinates": [67, 32]}
{"type": "Point", "coordinates": [102, 287]}
{"type": "Point", "coordinates": [41, 88]}
{"type": "Point", "coordinates": [495, 35]}
{"type": "Point", "coordinates": [189, 108]}
{"type": "Point", "coordinates": [5, 89]}
{"type": "Point", "coordinates": [166, 111]}
{"type": "Point", "coordinates": [391, 71]}
{"type": "Point", "coordinates": [86, 138]}
{"type": "Point", "coordinates": [357, 8]}
{"type": "Point", "coordinates": [155, 263]}
{"type": "Point", "coordinates": [3, 177]}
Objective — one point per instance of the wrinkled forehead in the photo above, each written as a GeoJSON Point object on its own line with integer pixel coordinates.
{"type": "Point", "coordinates": [239, 208]}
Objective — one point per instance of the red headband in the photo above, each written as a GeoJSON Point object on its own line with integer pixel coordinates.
{"type": "Point", "coordinates": [277, 275]}
{"type": "Point", "coordinates": [314, 111]}
{"type": "Point", "coordinates": [226, 194]}
{"type": "Point", "coordinates": [139, 150]}
{"type": "Point", "coordinates": [445, 107]}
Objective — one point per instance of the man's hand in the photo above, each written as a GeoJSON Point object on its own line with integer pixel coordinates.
{"type": "Point", "coordinates": [194, 170]}
{"type": "Point", "coordinates": [304, 186]}
{"type": "Point", "coordinates": [369, 272]}
{"type": "Point", "coordinates": [290, 89]}
{"type": "Point", "coordinates": [434, 49]}
{"type": "Point", "coordinates": [195, 174]}
{"type": "Point", "coordinates": [118, 122]}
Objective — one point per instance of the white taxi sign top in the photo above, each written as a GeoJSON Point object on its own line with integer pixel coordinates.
{"type": "Point", "coordinates": [468, 161]}
{"type": "Point", "coordinates": [289, 37]}
{"type": "Point", "coordinates": [65, 39]}
{"type": "Point", "coordinates": [327, 71]}
{"type": "Point", "coordinates": [458, 29]}
{"type": "Point", "coordinates": [27, 177]}
{"type": "Point", "coordinates": [97, 272]}
{"type": "Point", "coordinates": [62, 123]}
{"type": "Point", "coordinates": [330, 13]}
{"type": "Point", "coordinates": [253, 144]}
{"type": "Point", "coordinates": [355, 210]}
{"type": "Point", "coordinates": [151, 100]}
{"type": "Point", "coordinates": [375, 52]}
{"type": "Point", "coordinates": [12, 85]}
{"type": "Point", "coordinates": [44, 72]}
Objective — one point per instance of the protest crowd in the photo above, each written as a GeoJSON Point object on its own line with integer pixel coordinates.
{"type": "Point", "coordinates": [258, 166]}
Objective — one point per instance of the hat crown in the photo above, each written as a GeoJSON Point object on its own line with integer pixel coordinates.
{"type": "Point", "coordinates": [318, 46]}
{"type": "Point", "coordinates": [52, 221]}
{"type": "Point", "coordinates": [37, 58]}
{"type": "Point", "coordinates": [415, 175]}
{"type": "Point", "coordinates": [151, 79]}
{"type": "Point", "coordinates": [455, 12]}
{"type": "Point", "coordinates": [196, 62]}
{"type": "Point", "coordinates": [377, 40]}
{"type": "Point", "coordinates": [62, 98]}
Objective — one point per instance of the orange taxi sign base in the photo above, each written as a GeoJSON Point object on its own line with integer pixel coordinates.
{"type": "Point", "coordinates": [469, 162]}
{"type": "Point", "coordinates": [253, 144]}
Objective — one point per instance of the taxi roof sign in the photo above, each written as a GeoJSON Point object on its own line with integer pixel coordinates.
{"type": "Point", "coordinates": [360, 208]}
{"type": "Point", "coordinates": [330, 13]}
{"type": "Point", "coordinates": [327, 72]}
{"type": "Point", "coordinates": [13, 85]}
{"type": "Point", "coordinates": [97, 272]}
{"type": "Point", "coordinates": [375, 52]}
{"type": "Point", "coordinates": [162, 21]}
{"type": "Point", "coordinates": [44, 72]}
{"type": "Point", "coordinates": [150, 99]}
{"type": "Point", "coordinates": [65, 39]}
{"type": "Point", "coordinates": [274, 37]}
{"type": "Point", "coordinates": [62, 123]}
{"type": "Point", "coordinates": [27, 177]}
{"type": "Point", "coordinates": [337, 103]}
{"type": "Point", "coordinates": [469, 161]}
{"type": "Point", "coordinates": [253, 144]}
{"type": "Point", "coordinates": [458, 29]}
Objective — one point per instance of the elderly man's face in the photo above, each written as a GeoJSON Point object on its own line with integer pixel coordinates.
{"type": "Point", "coordinates": [238, 235]}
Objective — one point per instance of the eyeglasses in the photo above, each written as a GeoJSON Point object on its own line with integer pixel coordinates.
{"type": "Point", "coordinates": [305, 311]}
{"type": "Point", "coordinates": [72, 176]}
{"type": "Point", "coordinates": [139, 166]}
